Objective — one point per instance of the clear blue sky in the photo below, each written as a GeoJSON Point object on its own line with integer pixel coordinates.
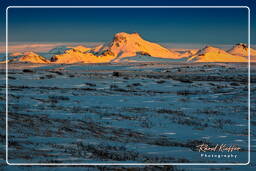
{"type": "Point", "coordinates": [204, 26]}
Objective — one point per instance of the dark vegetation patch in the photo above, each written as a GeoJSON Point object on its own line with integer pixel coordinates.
{"type": "Point", "coordinates": [190, 92]}
{"type": "Point", "coordinates": [234, 84]}
{"type": "Point", "coordinates": [27, 71]}
{"type": "Point", "coordinates": [11, 78]}
{"type": "Point", "coordinates": [57, 72]}
{"type": "Point", "coordinates": [183, 80]}
{"type": "Point", "coordinates": [208, 111]}
{"type": "Point", "coordinates": [169, 111]}
{"type": "Point", "coordinates": [90, 84]}
{"type": "Point", "coordinates": [116, 74]}
{"type": "Point", "coordinates": [134, 85]}
{"type": "Point", "coordinates": [54, 97]}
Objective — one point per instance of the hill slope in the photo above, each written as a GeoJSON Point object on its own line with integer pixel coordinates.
{"type": "Point", "coordinates": [213, 54]}
{"type": "Point", "coordinates": [80, 54]}
{"type": "Point", "coordinates": [242, 50]}
{"type": "Point", "coordinates": [29, 57]}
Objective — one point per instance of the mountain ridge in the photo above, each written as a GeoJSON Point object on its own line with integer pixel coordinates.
{"type": "Point", "coordinates": [127, 45]}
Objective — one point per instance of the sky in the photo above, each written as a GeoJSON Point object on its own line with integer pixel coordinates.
{"type": "Point", "coordinates": [175, 27]}
{"type": "Point", "coordinates": [204, 26]}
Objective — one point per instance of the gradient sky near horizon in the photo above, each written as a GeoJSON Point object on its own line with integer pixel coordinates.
{"type": "Point", "coordinates": [203, 26]}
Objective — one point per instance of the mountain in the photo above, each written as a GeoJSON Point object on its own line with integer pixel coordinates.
{"type": "Point", "coordinates": [185, 53]}
{"type": "Point", "coordinates": [213, 54]}
{"type": "Point", "coordinates": [29, 57]}
{"type": "Point", "coordinates": [58, 50]}
{"type": "Point", "coordinates": [132, 47]}
{"type": "Point", "coordinates": [123, 45]}
{"type": "Point", "coordinates": [79, 48]}
{"type": "Point", "coordinates": [128, 45]}
{"type": "Point", "coordinates": [241, 49]}
{"type": "Point", "coordinates": [80, 54]}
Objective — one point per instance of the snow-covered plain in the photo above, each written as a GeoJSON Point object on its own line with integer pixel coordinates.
{"type": "Point", "coordinates": [139, 112]}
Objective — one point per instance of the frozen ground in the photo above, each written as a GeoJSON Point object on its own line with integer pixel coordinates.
{"type": "Point", "coordinates": [132, 113]}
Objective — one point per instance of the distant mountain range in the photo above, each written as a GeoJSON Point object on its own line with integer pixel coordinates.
{"type": "Point", "coordinates": [127, 47]}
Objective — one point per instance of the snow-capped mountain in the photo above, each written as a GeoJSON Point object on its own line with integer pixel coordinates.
{"type": "Point", "coordinates": [213, 54]}
{"type": "Point", "coordinates": [128, 45]}
{"type": "Point", "coordinates": [132, 47]}
{"type": "Point", "coordinates": [241, 49]}
{"type": "Point", "coordinates": [80, 54]}
{"type": "Point", "coordinates": [123, 45]}
{"type": "Point", "coordinates": [29, 57]}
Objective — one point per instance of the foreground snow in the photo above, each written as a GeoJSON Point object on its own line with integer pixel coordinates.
{"type": "Point", "coordinates": [134, 112]}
